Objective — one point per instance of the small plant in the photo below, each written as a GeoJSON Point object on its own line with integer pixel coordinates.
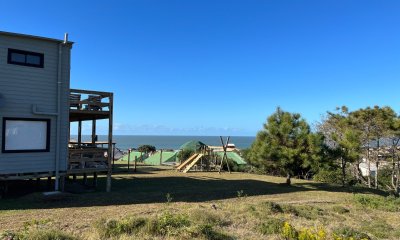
{"type": "Point", "coordinates": [273, 207]}
{"type": "Point", "coordinates": [112, 228]}
{"type": "Point", "coordinates": [169, 198]}
{"type": "Point", "coordinates": [340, 209]}
{"type": "Point", "coordinates": [349, 233]}
{"type": "Point", "coordinates": [389, 204]}
{"type": "Point", "coordinates": [289, 232]}
{"type": "Point", "coordinates": [271, 226]}
{"type": "Point", "coordinates": [167, 224]}
{"type": "Point", "coordinates": [241, 194]}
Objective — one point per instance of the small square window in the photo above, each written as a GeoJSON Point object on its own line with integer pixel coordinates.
{"type": "Point", "coordinates": [25, 58]}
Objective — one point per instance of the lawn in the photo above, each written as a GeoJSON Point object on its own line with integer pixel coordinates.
{"type": "Point", "coordinates": [164, 204]}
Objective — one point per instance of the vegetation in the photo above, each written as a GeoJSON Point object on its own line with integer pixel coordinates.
{"type": "Point", "coordinates": [147, 149]}
{"type": "Point", "coordinates": [157, 203]}
{"type": "Point", "coordinates": [334, 153]}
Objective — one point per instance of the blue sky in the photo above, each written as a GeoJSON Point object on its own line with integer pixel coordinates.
{"type": "Point", "coordinates": [221, 67]}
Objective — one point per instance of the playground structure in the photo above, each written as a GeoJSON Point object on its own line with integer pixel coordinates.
{"type": "Point", "coordinates": [205, 159]}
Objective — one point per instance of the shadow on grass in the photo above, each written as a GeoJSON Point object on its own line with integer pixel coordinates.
{"type": "Point", "coordinates": [133, 189]}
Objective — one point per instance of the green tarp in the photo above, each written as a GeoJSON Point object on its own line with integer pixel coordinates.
{"type": "Point", "coordinates": [167, 158]}
{"type": "Point", "coordinates": [234, 156]}
{"type": "Point", "coordinates": [192, 145]}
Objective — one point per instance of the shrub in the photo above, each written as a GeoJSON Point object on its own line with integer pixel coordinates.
{"type": "Point", "coordinates": [112, 228]}
{"type": "Point", "coordinates": [349, 233]}
{"type": "Point", "coordinates": [309, 234]}
{"type": "Point", "coordinates": [289, 232]}
{"type": "Point", "coordinates": [167, 224]}
{"type": "Point", "coordinates": [37, 234]}
{"type": "Point", "coordinates": [202, 217]}
{"type": "Point", "coordinates": [307, 212]}
{"type": "Point", "coordinates": [271, 226]}
{"type": "Point", "coordinates": [378, 227]}
{"type": "Point", "coordinates": [272, 207]}
{"type": "Point", "coordinates": [340, 209]}
{"type": "Point", "coordinates": [207, 231]}
{"type": "Point", "coordinates": [389, 204]}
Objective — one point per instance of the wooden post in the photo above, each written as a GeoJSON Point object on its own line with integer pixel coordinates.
{"type": "Point", "coordinates": [141, 156]}
{"type": "Point", "coordinates": [84, 179]}
{"type": "Point", "coordinates": [135, 163]}
{"type": "Point", "coordinates": [113, 155]}
{"type": "Point", "coordinates": [110, 140]}
{"type": "Point", "coordinates": [79, 133]}
{"type": "Point", "coordinates": [95, 179]}
{"type": "Point", "coordinates": [161, 157]}
{"type": "Point", "coordinates": [62, 183]}
{"type": "Point", "coordinates": [129, 158]}
{"type": "Point", "coordinates": [94, 132]}
{"type": "Point", "coordinates": [225, 157]}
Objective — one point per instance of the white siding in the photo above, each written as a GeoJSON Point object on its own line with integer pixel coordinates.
{"type": "Point", "coordinates": [23, 86]}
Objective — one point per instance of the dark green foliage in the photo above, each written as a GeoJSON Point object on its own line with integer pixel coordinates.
{"type": "Point", "coordinates": [147, 148]}
{"type": "Point", "coordinates": [287, 146]}
{"type": "Point", "coordinates": [185, 154]}
{"type": "Point", "coordinates": [271, 226]}
{"type": "Point", "coordinates": [350, 233]}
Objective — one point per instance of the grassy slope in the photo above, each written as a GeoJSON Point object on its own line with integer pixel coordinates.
{"type": "Point", "coordinates": [144, 194]}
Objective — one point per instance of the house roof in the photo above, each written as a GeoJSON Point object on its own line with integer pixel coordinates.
{"type": "Point", "coordinates": [33, 37]}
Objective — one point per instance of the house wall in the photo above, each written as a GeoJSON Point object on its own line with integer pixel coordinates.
{"type": "Point", "coordinates": [23, 86]}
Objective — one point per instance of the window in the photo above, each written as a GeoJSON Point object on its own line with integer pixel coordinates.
{"type": "Point", "coordinates": [25, 58]}
{"type": "Point", "coordinates": [25, 135]}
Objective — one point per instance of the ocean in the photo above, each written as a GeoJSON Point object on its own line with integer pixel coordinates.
{"type": "Point", "coordinates": [125, 142]}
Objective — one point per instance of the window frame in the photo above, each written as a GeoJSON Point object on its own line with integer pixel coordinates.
{"type": "Point", "coordinates": [12, 50]}
{"type": "Point", "coordinates": [3, 137]}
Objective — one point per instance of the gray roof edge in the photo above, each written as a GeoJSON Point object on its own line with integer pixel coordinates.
{"type": "Point", "coordinates": [33, 37]}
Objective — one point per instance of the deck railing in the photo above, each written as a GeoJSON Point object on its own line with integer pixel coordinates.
{"type": "Point", "coordinates": [88, 159]}
{"type": "Point", "coordinates": [85, 100]}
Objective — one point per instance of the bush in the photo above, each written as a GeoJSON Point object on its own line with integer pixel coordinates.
{"type": "Point", "coordinates": [271, 226]}
{"type": "Point", "coordinates": [207, 231]}
{"type": "Point", "coordinates": [167, 224]}
{"type": "Point", "coordinates": [202, 217]}
{"type": "Point", "coordinates": [389, 204]}
{"type": "Point", "coordinates": [349, 233]}
{"type": "Point", "coordinates": [37, 234]}
{"type": "Point", "coordinates": [307, 212]}
{"type": "Point", "coordinates": [272, 207]}
{"type": "Point", "coordinates": [378, 227]}
{"type": "Point", "coordinates": [340, 209]}
{"type": "Point", "coordinates": [112, 228]}
{"type": "Point", "coordinates": [334, 176]}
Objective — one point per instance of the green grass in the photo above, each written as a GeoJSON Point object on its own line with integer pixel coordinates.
{"type": "Point", "coordinates": [159, 203]}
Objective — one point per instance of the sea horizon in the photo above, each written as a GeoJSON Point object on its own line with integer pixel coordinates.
{"type": "Point", "coordinates": [125, 142]}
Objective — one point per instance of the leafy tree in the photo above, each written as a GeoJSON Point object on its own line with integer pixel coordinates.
{"type": "Point", "coordinates": [341, 138]}
{"type": "Point", "coordinates": [286, 146]}
{"type": "Point", "coordinates": [147, 148]}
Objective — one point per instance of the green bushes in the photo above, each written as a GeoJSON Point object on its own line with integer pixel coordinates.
{"type": "Point", "coordinates": [112, 228]}
{"type": "Point", "coordinates": [271, 226]}
{"type": "Point", "coordinates": [37, 234]}
{"type": "Point", "coordinates": [389, 204]}
{"type": "Point", "coordinates": [349, 233]}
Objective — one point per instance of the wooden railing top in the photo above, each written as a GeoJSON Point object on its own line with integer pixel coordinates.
{"type": "Point", "coordinates": [103, 94]}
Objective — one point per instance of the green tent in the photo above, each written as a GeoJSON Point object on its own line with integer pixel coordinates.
{"type": "Point", "coordinates": [133, 155]}
{"type": "Point", "coordinates": [167, 158]}
{"type": "Point", "coordinates": [234, 157]}
{"type": "Point", "coordinates": [192, 145]}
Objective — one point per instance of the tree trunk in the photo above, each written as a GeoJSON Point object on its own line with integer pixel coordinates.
{"type": "Point", "coordinates": [288, 179]}
{"type": "Point", "coordinates": [369, 169]}
{"type": "Point", "coordinates": [376, 175]}
{"type": "Point", "coordinates": [343, 172]}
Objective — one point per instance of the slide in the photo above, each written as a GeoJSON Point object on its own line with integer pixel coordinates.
{"type": "Point", "coordinates": [185, 163]}
{"type": "Point", "coordinates": [191, 164]}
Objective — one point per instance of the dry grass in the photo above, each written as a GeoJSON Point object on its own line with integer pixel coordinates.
{"type": "Point", "coordinates": [234, 204]}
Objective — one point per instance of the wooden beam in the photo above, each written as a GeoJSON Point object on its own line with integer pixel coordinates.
{"type": "Point", "coordinates": [110, 141]}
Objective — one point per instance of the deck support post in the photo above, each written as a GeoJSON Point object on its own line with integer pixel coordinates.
{"type": "Point", "coordinates": [84, 179]}
{"type": "Point", "coordinates": [110, 141]}
{"type": "Point", "coordinates": [95, 179]}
